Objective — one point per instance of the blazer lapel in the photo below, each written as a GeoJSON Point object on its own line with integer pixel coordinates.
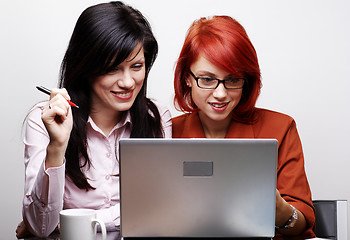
{"type": "Point", "coordinates": [240, 130]}
{"type": "Point", "coordinates": [193, 127]}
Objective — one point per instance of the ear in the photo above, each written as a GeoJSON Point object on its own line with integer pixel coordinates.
{"type": "Point", "coordinates": [188, 82]}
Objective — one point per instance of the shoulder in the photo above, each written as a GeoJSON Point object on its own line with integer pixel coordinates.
{"type": "Point", "coordinates": [162, 109]}
{"type": "Point", "coordinates": [265, 116]}
{"type": "Point", "coordinates": [165, 118]}
{"type": "Point", "coordinates": [272, 123]}
{"type": "Point", "coordinates": [187, 125]}
{"type": "Point", "coordinates": [180, 120]}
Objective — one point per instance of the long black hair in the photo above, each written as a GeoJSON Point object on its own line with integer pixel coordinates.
{"type": "Point", "coordinates": [103, 37]}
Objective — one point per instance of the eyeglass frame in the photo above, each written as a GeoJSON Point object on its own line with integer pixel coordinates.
{"type": "Point", "coordinates": [219, 81]}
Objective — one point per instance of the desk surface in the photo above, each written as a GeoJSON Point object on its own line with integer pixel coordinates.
{"type": "Point", "coordinates": [110, 236]}
{"type": "Point", "coordinates": [56, 236]}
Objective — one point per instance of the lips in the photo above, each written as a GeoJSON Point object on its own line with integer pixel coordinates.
{"type": "Point", "coordinates": [219, 106]}
{"type": "Point", "coordinates": [123, 95]}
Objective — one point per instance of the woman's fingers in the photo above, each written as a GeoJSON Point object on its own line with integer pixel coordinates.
{"type": "Point", "coordinates": [57, 117]}
{"type": "Point", "coordinates": [61, 91]}
{"type": "Point", "coordinates": [57, 105]}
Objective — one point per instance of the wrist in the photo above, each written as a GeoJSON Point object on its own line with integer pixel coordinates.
{"type": "Point", "coordinates": [54, 156]}
{"type": "Point", "coordinates": [290, 223]}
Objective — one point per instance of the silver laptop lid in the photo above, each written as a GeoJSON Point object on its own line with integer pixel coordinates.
{"type": "Point", "coordinates": [198, 187]}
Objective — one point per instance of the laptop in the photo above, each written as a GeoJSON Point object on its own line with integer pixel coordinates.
{"type": "Point", "coordinates": [198, 188]}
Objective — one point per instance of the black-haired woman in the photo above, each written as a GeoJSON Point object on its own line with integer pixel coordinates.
{"type": "Point", "coordinates": [71, 154]}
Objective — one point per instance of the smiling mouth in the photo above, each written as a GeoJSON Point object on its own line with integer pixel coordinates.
{"type": "Point", "coordinates": [123, 95]}
{"type": "Point", "coordinates": [218, 105]}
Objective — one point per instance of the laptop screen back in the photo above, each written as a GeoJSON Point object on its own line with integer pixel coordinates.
{"type": "Point", "coordinates": [198, 187]}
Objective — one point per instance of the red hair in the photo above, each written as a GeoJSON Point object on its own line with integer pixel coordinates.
{"type": "Point", "coordinates": [224, 43]}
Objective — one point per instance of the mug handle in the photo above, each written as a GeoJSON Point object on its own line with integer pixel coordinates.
{"type": "Point", "coordinates": [103, 227]}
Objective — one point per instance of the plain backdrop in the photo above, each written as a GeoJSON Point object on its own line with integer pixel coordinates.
{"type": "Point", "coordinates": [304, 54]}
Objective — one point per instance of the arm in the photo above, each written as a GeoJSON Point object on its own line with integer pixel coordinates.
{"type": "Point", "coordinates": [293, 187]}
{"type": "Point", "coordinates": [284, 211]}
{"type": "Point", "coordinates": [111, 217]}
{"type": "Point", "coordinates": [44, 166]}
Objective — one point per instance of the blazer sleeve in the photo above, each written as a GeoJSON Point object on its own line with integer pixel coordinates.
{"type": "Point", "coordinates": [291, 177]}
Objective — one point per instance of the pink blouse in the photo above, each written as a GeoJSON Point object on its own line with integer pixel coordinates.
{"type": "Point", "coordinates": [47, 192]}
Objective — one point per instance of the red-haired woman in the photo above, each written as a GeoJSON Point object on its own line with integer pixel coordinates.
{"type": "Point", "coordinates": [217, 82]}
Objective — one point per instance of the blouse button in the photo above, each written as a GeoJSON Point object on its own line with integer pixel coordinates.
{"type": "Point", "coordinates": [107, 200]}
{"type": "Point", "coordinates": [108, 155]}
{"type": "Point", "coordinates": [107, 177]}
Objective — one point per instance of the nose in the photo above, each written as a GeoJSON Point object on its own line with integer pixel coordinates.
{"type": "Point", "coordinates": [220, 92]}
{"type": "Point", "coordinates": [126, 81]}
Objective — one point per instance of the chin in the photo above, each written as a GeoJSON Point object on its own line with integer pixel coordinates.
{"type": "Point", "coordinates": [122, 107]}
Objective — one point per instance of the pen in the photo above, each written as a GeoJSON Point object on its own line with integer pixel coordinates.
{"type": "Point", "coordinates": [48, 92]}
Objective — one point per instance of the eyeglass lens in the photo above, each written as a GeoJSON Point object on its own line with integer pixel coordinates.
{"type": "Point", "coordinates": [212, 83]}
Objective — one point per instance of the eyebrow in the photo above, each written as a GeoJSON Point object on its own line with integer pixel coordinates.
{"type": "Point", "coordinates": [206, 73]}
{"type": "Point", "coordinates": [137, 53]}
{"type": "Point", "coordinates": [136, 60]}
{"type": "Point", "coordinates": [210, 74]}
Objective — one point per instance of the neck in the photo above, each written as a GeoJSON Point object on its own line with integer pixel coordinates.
{"type": "Point", "coordinates": [213, 128]}
{"type": "Point", "coordinates": [105, 120]}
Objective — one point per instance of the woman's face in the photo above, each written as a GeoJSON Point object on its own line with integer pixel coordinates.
{"type": "Point", "coordinates": [214, 104]}
{"type": "Point", "coordinates": [118, 89]}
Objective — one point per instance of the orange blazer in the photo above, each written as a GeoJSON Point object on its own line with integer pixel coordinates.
{"type": "Point", "coordinates": [291, 178]}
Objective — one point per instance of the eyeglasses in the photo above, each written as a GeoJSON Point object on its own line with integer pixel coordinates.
{"type": "Point", "coordinates": [213, 83]}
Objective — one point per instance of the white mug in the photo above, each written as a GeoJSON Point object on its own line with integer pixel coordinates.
{"type": "Point", "coordinates": [78, 224]}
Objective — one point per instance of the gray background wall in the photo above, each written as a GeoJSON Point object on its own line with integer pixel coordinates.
{"type": "Point", "coordinates": [304, 54]}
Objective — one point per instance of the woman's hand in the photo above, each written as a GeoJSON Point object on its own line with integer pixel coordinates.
{"type": "Point", "coordinates": [58, 120]}
{"type": "Point", "coordinates": [283, 212]}
{"type": "Point", "coordinates": [22, 231]}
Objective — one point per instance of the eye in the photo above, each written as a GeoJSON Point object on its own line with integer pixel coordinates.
{"type": "Point", "coordinates": [206, 79]}
{"type": "Point", "coordinates": [233, 80]}
{"type": "Point", "coordinates": [138, 66]}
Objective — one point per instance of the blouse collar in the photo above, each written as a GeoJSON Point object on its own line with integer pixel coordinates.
{"type": "Point", "coordinates": [124, 121]}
